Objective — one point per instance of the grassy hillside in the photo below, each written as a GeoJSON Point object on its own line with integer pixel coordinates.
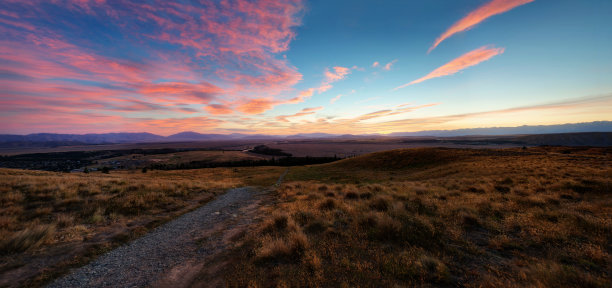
{"type": "Point", "coordinates": [51, 221]}
{"type": "Point", "coordinates": [539, 217]}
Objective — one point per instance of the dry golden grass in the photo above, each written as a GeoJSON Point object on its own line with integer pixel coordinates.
{"type": "Point", "coordinates": [476, 218]}
{"type": "Point", "coordinates": [211, 156]}
{"type": "Point", "coordinates": [84, 215]}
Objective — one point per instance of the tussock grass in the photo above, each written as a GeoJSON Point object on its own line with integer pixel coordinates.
{"type": "Point", "coordinates": [42, 210]}
{"type": "Point", "coordinates": [27, 238]}
{"type": "Point", "coordinates": [507, 218]}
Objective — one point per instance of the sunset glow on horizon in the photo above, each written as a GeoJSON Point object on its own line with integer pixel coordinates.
{"type": "Point", "coordinates": [286, 67]}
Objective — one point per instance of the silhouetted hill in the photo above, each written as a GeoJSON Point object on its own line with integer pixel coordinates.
{"type": "Point", "coordinates": [586, 134]}
{"type": "Point", "coordinates": [569, 139]}
{"type": "Point", "coordinates": [194, 136]}
{"type": "Point", "coordinates": [52, 140]}
{"type": "Point", "coordinates": [598, 126]}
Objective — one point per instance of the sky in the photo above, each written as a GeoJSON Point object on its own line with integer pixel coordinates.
{"type": "Point", "coordinates": [287, 67]}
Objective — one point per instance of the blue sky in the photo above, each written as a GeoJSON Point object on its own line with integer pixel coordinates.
{"type": "Point", "coordinates": [302, 66]}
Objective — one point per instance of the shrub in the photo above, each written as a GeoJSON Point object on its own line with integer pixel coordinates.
{"type": "Point", "coordinates": [379, 204]}
{"type": "Point", "coordinates": [27, 238]}
{"type": "Point", "coordinates": [351, 195]}
{"type": "Point", "coordinates": [315, 226]}
{"type": "Point", "coordinates": [284, 250]}
{"type": "Point", "coordinates": [280, 222]}
{"type": "Point", "coordinates": [469, 220]}
{"type": "Point", "coordinates": [302, 217]}
{"type": "Point", "coordinates": [365, 195]}
{"type": "Point", "coordinates": [433, 269]}
{"type": "Point", "coordinates": [328, 204]}
{"type": "Point", "coordinates": [387, 229]}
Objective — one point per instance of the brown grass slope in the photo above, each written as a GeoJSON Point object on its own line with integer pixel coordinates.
{"type": "Point", "coordinates": [52, 221]}
{"type": "Point", "coordinates": [540, 217]}
{"type": "Point", "coordinates": [402, 159]}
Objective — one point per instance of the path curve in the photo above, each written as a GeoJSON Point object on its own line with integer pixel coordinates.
{"type": "Point", "coordinates": [173, 253]}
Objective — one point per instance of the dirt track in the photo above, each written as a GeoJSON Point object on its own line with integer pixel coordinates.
{"type": "Point", "coordinates": [172, 254]}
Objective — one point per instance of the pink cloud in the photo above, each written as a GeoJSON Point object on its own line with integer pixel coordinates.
{"type": "Point", "coordinates": [480, 14]}
{"type": "Point", "coordinates": [333, 100]}
{"type": "Point", "coordinates": [218, 109]}
{"type": "Point", "coordinates": [375, 64]}
{"type": "Point", "coordinates": [257, 106]}
{"type": "Point", "coordinates": [388, 65]}
{"type": "Point", "coordinates": [337, 74]}
{"type": "Point", "coordinates": [303, 112]}
{"type": "Point", "coordinates": [464, 61]}
{"type": "Point", "coordinates": [219, 51]}
{"type": "Point", "coordinates": [324, 87]}
{"type": "Point", "coordinates": [312, 109]}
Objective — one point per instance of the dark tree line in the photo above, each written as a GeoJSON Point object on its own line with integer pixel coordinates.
{"type": "Point", "coordinates": [265, 150]}
{"type": "Point", "coordinates": [285, 161]}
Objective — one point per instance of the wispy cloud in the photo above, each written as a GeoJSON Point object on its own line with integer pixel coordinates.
{"type": "Point", "coordinates": [337, 73]}
{"type": "Point", "coordinates": [480, 14]}
{"type": "Point", "coordinates": [190, 54]}
{"type": "Point", "coordinates": [464, 61]}
{"type": "Point", "coordinates": [333, 100]}
{"type": "Point", "coordinates": [303, 112]}
{"type": "Point", "coordinates": [594, 108]}
{"type": "Point", "coordinates": [375, 64]}
{"type": "Point", "coordinates": [401, 109]}
{"type": "Point", "coordinates": [388, 65]}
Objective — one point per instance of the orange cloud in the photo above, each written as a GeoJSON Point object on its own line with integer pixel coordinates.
{"type": "Point", "coordinates": [218, 109]}
{"type": "Point", "coordinates": [464, 61]}
{"type": "Point", "coordinates": [303, 112]}
{"type": "Point", "coordinates": [312, 109]}
{"type": "Point", "coordinates": [375, 64]}
{"type": "Point", "coordinates": [401, 109]}
{"type": "Point", "coordinates": [257, 106]}
{"type": "Point", "coordinates": [483, 12]}
{"type": "Point", "coordinates": [48, 71]}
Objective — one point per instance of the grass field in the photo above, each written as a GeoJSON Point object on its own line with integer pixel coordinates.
{"type": "Point", "coordinates": [52, 221]}
{"type": "Point", "coordinates": [139, 160]}
{"type": "Point", "coordinates": [537, 217]}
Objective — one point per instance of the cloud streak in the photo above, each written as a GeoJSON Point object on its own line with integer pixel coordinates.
{"type": "Point", "coordinates": [480, 14]}
{"type": "Point", "coordinates": [303, 112]}
{"type": "Point", "coordinates": [336, 74]}
{"type": "Point", "coordinates": [464, 61]}
{"type": "Point", "coordinates": [389, 65]}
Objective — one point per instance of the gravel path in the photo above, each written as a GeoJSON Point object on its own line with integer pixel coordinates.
{"type": "Point", "coordinates": [173, 253]}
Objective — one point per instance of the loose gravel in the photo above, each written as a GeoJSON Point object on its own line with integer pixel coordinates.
{"type": "Point", "coordinates": [184, 242]}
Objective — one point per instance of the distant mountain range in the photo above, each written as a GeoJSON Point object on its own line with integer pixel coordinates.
{"type": "Point", "coordinates": [51, 140]}
{"type": "Point", "coordinates": [598, 126]}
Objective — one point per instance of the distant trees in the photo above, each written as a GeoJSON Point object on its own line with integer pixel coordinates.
{"type": "Point", "coordinates": [265, 150]}
{"type": "Point", "coordinates": [285, 161]}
